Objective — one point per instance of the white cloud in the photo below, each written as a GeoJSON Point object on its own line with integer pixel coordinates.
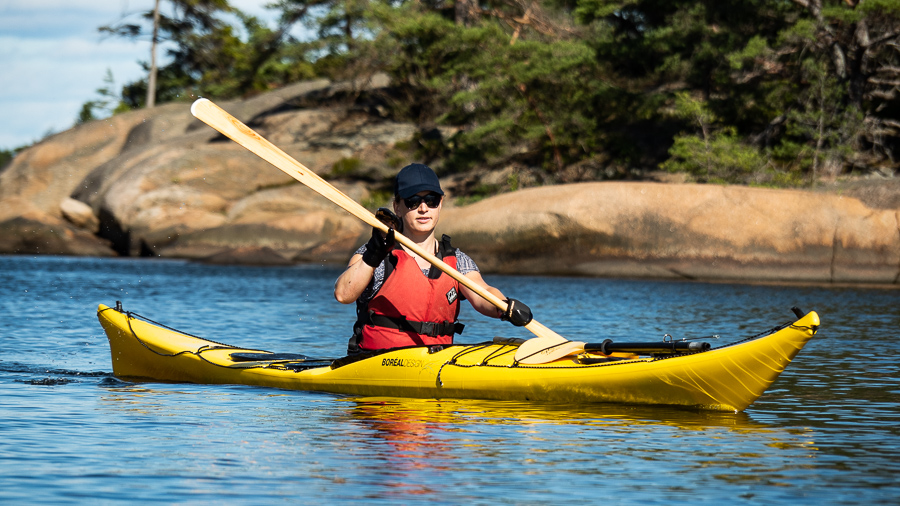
{"type": "Point", "coordinates": [54, 59]}
{"type": "Point", "coordinates": [45, 82]}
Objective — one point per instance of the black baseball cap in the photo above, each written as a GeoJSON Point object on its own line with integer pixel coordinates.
{"type": "Point", "coordinates": [414, 178]}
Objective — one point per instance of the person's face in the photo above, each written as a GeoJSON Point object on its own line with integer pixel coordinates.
{"type": "Point", "coordinates": [420, 212]}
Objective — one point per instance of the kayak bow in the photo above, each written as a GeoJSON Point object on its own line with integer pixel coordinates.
{"type": "Point", "coordinates": [726, 378]}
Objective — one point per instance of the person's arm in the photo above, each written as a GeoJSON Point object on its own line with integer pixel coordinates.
{"type": "Point", "coordinates": [351, 283]}
{"type": "Point", "coordinates": [517, 313]}
{"type": "Point", "coordinates": [480, 304]}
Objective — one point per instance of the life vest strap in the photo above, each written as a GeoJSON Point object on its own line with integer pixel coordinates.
{"type": "Point", "coordinates": [430, 329]}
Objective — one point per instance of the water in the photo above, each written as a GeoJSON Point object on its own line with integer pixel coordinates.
{"type": "Point", "coordinates": [70, 432]}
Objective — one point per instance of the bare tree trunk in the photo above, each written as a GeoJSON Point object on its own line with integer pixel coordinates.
{"type": "Point", "coordinates": [526, 19]}
{"type": "Point", "coordinates": [151, 80]}
{"type": "Point", "coordinates": [462, 12]}
{"type": "Point", "coordinates": [820, 129]}
{"type": "Point", "coordinates": [820, 142]}
{"type": "Point", "coordinates": [348, 27]}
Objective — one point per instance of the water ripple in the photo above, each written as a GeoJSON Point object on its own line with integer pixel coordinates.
{"type": "Point", "coordinates": [826, 432]}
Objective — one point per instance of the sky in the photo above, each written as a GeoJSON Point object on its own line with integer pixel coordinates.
{"type": "Point", "coordinates": [53, 59]}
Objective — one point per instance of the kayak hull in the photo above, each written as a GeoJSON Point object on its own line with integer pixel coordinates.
{"type": "Point", "coordinates": [727, 378]}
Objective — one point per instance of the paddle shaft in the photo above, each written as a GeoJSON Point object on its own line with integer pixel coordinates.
{"type": "Point", "coordinates": [607, 347]}
{"type": "Point", "coordinates": [229, 126]}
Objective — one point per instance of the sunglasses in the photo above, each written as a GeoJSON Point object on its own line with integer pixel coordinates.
{"type": "Point", "coordinates": [432, 200]}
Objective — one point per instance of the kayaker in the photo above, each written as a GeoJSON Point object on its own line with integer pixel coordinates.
{"type": "Point", "coordinates": [402, 300]}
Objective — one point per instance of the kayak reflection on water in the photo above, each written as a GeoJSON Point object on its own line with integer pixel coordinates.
{"type": "Point", "coordinates": [403, 438]}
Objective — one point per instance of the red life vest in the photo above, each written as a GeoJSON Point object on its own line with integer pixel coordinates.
{"type": "Point", "coordinates": [411, 309]}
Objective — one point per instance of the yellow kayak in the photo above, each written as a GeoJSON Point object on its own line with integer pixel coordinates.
{"type": "Point", "coordinates": [726, 378]}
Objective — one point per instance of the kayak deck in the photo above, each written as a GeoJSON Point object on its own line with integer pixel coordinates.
{"type": "Point", "coordinates": [727, 378]}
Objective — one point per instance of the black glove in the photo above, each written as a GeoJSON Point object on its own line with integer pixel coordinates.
{"type": "Point", "coordinates": [517, 313]}
{"type": "Point", "coordinates": [390, 219]}
{"type": "Point", "coordinates": [378, 247]}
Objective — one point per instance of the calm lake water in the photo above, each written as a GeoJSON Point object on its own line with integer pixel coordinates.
{"type": "Point", "coordinates": [826, 432]}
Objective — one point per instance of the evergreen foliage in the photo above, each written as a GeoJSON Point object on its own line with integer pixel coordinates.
{"type": "Point", "coordinates": [716, 154]}
{"type": "Point", "coordinates": [6, 156]}
{"type": "Point", "coordinates": [751, 92]}
{"type": "Point", "coordinates": [106, 104]}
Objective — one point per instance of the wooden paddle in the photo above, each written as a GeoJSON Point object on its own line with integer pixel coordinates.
{"type": "Point", "coordinates": [231, 127]}
{"type": "Point", "coordinates": [542, 351]}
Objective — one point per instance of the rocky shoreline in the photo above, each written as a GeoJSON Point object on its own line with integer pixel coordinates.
{"type": "Point", "coordinates": [160, 184]}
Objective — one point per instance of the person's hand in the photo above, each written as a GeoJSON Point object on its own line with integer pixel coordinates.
{"type": "Point", "coordinates": [378, 247]}
{"type": "Point", "coordinates": [390, 219]}
{"type": "Point", "coordinates": [517, 313]}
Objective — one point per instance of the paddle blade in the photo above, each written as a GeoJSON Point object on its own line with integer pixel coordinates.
{"type": "Point", "coordinates": [542, 351]}
{"type": "Point", "coordinates": [229, 126]}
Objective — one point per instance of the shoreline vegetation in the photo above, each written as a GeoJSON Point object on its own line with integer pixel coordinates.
{"type": "Point", "coordinates": [766, 133]}
{"type": "Point", "coordinates": [771, 94]}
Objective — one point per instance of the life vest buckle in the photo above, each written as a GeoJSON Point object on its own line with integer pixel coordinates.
{"type": "Point", "coordinates": [429, 329]}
